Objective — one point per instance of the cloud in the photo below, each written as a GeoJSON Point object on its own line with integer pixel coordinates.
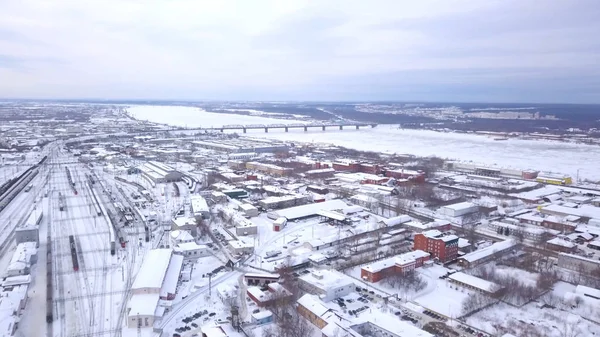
{"type": "Point", "coordinates": [433, 50]}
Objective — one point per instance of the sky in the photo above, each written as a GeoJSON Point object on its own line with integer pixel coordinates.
{"type": "Point", "coordinates": [426, 50]}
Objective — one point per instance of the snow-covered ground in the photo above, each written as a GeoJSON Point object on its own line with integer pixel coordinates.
{"type": "Point", "coordinates": [196, 117]}
{"type": "Point", "coordinates": [515, 153]}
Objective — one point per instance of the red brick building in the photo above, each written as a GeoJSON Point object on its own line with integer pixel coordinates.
{"type": "Point", "coordinates": [400, 264]}
{"type": "Point", "coordinates": [416, 176]}
{"type": "Point", "coordinates": [442, 247]}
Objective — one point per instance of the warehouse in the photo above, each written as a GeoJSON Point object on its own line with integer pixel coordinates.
{"type": "Point", "coordinates": [474, 283]}
{"type": "Point", "coordinates": [159, 172]}
{"type": "Point", "coordinates": [282, 202]}
{"type": "Point", "coordinates": [310, 210]}
{"type": "Point", "coordinates": [460, 209]}
{"type": "Point", "coordinates": [200, 207]}
{"type": "Point", "coordinates": [151, 275]}
{"type": "Point", "coordinates": [486, 254]}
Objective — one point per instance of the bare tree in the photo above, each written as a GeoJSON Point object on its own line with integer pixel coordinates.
{"type": "Point", "coordinates": [409, 281]}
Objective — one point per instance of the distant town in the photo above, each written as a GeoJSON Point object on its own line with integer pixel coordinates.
{"type": "Point", "coordinates": [117, 226]}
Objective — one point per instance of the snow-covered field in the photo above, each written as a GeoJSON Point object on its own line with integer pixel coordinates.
{"type": "Point", "coordinates": [516, 153]}
{"type": "Point", "coordinates": [513, 153]}
{"type": "Point", "coordinates": [196, 117]}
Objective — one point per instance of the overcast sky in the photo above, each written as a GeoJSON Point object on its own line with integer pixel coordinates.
{"type": "Point", "coordinates": [430, 50]}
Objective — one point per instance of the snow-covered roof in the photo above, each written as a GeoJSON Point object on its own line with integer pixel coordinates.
{"type": "Point", "coordinates": [213, 331]}
{"type": "Point", "coordinates": [401, 259]}
{"type": "Point", "coordinates": [460, 206]}
{"type": "Point", "coordinates": [198, 204]}
{"type": "Point", "coordinates": [393, 325]}
{"type": "Point", "coordinates": [487, 251]}
{"type": "Point", "coordinates": [153, 269]}
{"type": "Point", "coordinates": [396, 220]}
{"type": "Point", "coordinates": [591, 292]}
{"type": "Point", "coordinates": [313, 304]}
{"type": "Point", "coordinates": [474, 281]}
{"type": "Point", "coordinates": [561, 242]}
{"type": "Point", "coordinates": [327, 279]}
{"type": "Point", "coordinates": [332, 215]}
{"type": "Point", "coordinates": [189, 246]}
{"type": "Point", "coordinates": [172, 276]}
{"type": "Point", "coordinates": [262, 315]}
{"type": "Point", "coordinates": [530, 217]}
{"type": "Point", "coordinates": [16, 280]}
{"type": "Point", "coordinates": [310, 209]}
{"type": "Point", "coordinates": [143, 304]}
{"type": "Point", "coordinates": [585, 211]}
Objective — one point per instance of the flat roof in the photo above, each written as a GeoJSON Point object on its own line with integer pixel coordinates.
{"type": "Point", "coordinates": [313, 304]}
{"type": "Point", "coordinates": [143, 304]}
{"type": "Point", "coordinates": [310, 209]}
{"type": "Point", "coordinates": [460, 206]}
{"type": "Point", "coordinates": [172, 276]}
{"type": "Point", "coordinates": [332, 215]}
{"type": "Point", "coordinates": [487, 251]}
{"type": "Point", "coordinates": [153, 269]}
{"type": "Point", "coordinates": [585, 211]}
{"type": "Point", "coordinates": [396, 220]}
{"type": "Point", "coordinates": [198, 204]}
{"type": "Point", "coordinates": [474, 281]}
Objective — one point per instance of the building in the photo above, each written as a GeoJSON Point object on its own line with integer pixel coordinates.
{"type": "Point", "coordinates": [200, 207]}
{"type": "Point", "coordinates": [311, 308]}
{"type": "Point", "coordinates": [150, 277]}
{"type": "Point", "coordinates": [457, 210]}
{"type": "Point", "coordinates": [269, 168]}
{"type": "Point", "coordinates": [263, 297]}
{"type": "Point", "coordinates": [183, 224]}
{"type": "Point", "coordinates": [226, 292]}
{"type": "Point", "coordinates": [474, 283]}
{"type": "Point", "coordinates": [240, 247]}
{"type": "Point", "coordinates": [159, 172]}
{"type": "Point", "coordinates": [142, 310]}
{"type": "Point", "coordinates": [168, 288]}
{"type": "Point", "coordinates": [248, 210]}
{"type": "Point", "coordinates": [262, 317]}
{"type": "Point", "coordinates": [577, 263]}
{"type": "Point", "coordinates": [23, 258]}
{"type": "Point", "coordinates": [282, 201]}
{"type": "Point", "coordinates": [191, 250]}
{"type": "Point", "coordinates": [486, 254]}
{"type": "Point", "coordinates": [180, 236]}
{"type": "Point", "coordinates": [29, 231]}
{"type": "Point", "coordinates": [253, 279]}
{"type": "Point", "coordinates": [328, 284]}
{"type": "Point", "coordinates": [396, 265]}
{"type": "Point", "coordinates": [561, 245]}
{"type": "Point", "coordinates": [14, 300]}
{"type": "Point", "coordinates": [442, 247]}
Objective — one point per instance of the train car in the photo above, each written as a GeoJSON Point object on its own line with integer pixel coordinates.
{"type": "Point", "coordinates": [147, 233]}
{"type": "Point", "coordinates": [121, 238]}
{"type": "Point", "coordinates": [73, 253]}
{"type": "Point", "coordinates": [49, 289]}
{"type": "Point", "coordinates": [61, 201]}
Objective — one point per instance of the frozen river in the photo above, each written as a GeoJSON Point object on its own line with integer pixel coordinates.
{"type": "Point", "coordinates": [516, 153]}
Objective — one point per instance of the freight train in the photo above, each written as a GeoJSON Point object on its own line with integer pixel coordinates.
{"type": "Point", "coordinates": [71, 182]}
{"type": "Point", "coordinates": [10, 189]}
{"type": "Point", "coordinates": [61, 201]}
{"type": "Point", "coordinates": [73, 253]}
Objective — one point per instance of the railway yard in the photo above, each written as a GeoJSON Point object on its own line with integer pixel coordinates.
{"type": "Point", "coordinates": [166, 233]}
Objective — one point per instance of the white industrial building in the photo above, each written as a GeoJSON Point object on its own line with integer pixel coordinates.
{"type": "Point", "coordinates": [240, 247]}
{"type": "Point", "coordinates": [248, 210]}
{"type": "Point", "coordinates": [460, 209]}
{"type": "Point", "coordinates": [200, 207]}
{"type": "Point", "coordinates": [159, 172]}
{"type": "Point", "coordinates": [156, 279]}
{"type": "Point", "coordinates": [23, 258]}
{"type": "Point", "coordinates": [191, 250]}
{"type": "Point", "coordinates": [328, 284]}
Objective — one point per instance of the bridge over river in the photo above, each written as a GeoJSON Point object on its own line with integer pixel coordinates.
{"type": "Point", "coordinates": [287, 127]}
